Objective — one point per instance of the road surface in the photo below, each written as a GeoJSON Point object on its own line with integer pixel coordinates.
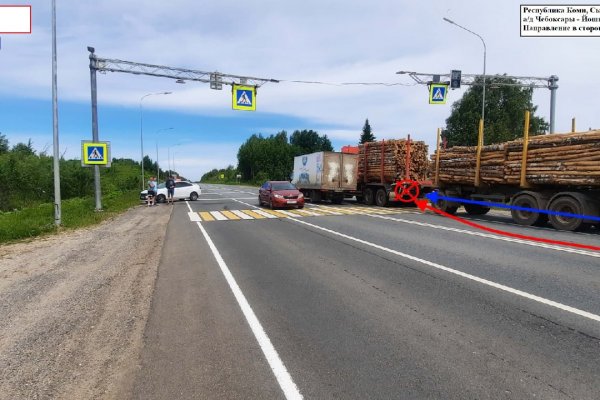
{"type": "Point", "coordinates": [355, 302]}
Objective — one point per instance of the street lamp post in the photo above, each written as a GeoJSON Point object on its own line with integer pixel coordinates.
{"type": "Point", "coordinates": [157, 164]}
{"type": "Point", "coordinates": [142, 129]}
{"type": "Point", "coordinates": [484, 56]}
{"type": "Point", "coordinates": [169, 158]}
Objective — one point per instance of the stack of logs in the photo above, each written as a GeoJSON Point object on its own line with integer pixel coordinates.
{"type": "Point", "coordinates": [394, 161]}
{"type": "Point", "coordinates": [556, 159]}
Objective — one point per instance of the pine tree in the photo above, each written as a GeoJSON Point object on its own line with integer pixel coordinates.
{"type": "Point", "coordinates": [367, 135]}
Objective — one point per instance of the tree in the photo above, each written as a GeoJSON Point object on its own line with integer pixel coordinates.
{"type": "Point", "coordinates": [24, 149]}
{"type": "Point", "coordinates": [367, 135]}
{"type": "Point", "coordinates": [309, 141]}
{"type": "Point", "coordinates": [504, 114]}
{"type": "Point", "coordinates": [3, 144]}
{"type": "Point", "coordinates": [261, 158]}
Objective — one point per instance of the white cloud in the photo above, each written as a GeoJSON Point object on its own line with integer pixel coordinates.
{"type": "Point", "coordinates": [334, 41]}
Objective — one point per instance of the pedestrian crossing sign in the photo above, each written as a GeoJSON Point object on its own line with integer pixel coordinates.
{"type": "Point", "coordinates": [437, 93]}
{"type": "Point", "coordinates": [244, 98]}
{"type": "Point", "coordinates": [95, 153]}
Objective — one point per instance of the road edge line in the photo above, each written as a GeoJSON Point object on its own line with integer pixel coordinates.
{"type": "Point", "coordinates": [286, 383]}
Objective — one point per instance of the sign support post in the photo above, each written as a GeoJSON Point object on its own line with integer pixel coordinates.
{"type": "Point", "coordinates": [97, 190]}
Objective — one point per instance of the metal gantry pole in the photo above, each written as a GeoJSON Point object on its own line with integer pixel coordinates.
{"type": "Point", "coordinates": [552, 86]}
{"type": "Point", "coordinates": [56, 152]}
{"type": "Point", "coordinates": [97, 190]}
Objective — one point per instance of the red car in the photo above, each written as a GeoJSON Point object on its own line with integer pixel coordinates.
{"type": "Point", "coordinates": [280, 194]}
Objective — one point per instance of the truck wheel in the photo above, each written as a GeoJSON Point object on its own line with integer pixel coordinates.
{"type": "Point", "coordinates": [369, 197]}
{"type": "Point", "coordinates": [381, 198]}
{"type": "Point", "coordinates": [566, 204]}
{"type": "Point", "coordinates": [476, 209]}
{"type": "Point", "coordinates": [446, 206]}
{"type": "Point", "coordinates": [527, 218]}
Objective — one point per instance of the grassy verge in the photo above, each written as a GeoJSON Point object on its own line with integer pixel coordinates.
{"type": "Point", "coordinates": [75, 213]}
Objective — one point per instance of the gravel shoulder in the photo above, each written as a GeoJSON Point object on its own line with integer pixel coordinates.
{"type": "Point", "coordinates": [73, 308]}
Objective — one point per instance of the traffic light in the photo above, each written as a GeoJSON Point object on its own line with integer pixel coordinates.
{"type": "Point", "coordinates": [455, 77]}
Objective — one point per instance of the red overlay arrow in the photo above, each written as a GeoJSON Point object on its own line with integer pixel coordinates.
{"type": "Point", "coordinates": [423, 206]}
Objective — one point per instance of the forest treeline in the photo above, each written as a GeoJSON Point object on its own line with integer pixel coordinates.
{"type": "Point", "coordinates": [269, 157]}
{"type": "Point", "coordinates": [27, 177]}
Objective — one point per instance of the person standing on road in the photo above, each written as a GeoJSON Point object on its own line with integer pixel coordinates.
{"type": "Point", "coordinates": [151, 191]}
{"type": "Point", "coordinates": [170, 184]}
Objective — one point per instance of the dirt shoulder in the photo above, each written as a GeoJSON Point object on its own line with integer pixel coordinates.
{"type": "Point", "coordinates": [73, 308]}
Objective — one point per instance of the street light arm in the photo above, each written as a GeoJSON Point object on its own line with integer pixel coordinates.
{"type": "Point", "coordinates": [468, 30]}
{"type": "Point", "coordinates": [484, 61]}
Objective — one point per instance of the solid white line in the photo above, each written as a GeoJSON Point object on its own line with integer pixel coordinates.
{"type": "Point", "coordinates": [508, 289]}
{"type": "Point", "coordinates": [495, 237]}
{"type": "Point", "coordinates": [286, 383]}
{"type": "Point", "coordinates": [218, 216]}
{"type": "Point", "coordinates": [290, 390]}
{"type": "Point", "coordinates": [241, 214]}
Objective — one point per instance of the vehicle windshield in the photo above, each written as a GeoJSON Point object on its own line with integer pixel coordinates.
{"type": "Point", "coordinates": [161, 186]}
{"type": "Point", "coordinates": [283, 186]}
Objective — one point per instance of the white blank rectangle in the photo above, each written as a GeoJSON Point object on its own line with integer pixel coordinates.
{"type": "Point", "coordinates": [15, 19]}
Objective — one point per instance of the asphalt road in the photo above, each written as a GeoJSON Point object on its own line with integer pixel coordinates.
{"type": "Point", "coordinates": [367, 303]}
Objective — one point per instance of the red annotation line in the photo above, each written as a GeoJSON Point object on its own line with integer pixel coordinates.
{"type": "Point", "coordinates": [422, 204]}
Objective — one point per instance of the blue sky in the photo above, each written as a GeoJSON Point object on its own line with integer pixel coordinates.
{"type": "Point", "coordinates": [334, 41]}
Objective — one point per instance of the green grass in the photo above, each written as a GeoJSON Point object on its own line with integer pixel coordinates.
{"type": "Point", "coordinates": [75, 213]}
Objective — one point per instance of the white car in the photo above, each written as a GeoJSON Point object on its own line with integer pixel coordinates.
{"type": "Point", "coordinates": [183, 190]}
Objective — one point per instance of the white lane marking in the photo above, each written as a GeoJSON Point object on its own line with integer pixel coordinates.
{"type": "Point", "coordinates": [225, 198]}
{"type": "Point", "coordinates": [289, 388]}
{"type": "Point", "coordinates": [241, 214]}
{"type": "Point", "coordinates": [194, 217]}
{"type": "Point", "coordinates": [304, 210]}
{"type": "Point", "coordinates": [325, 210]}
{"type": "Point", "coordinates": [508, 289]}
{"type": "Point", "coordinates": [246, 204]}
{"type": "Point", "coordinates": [265, 214]}
{"type": "Point", "coordinates": [492, 236]}
{"type": "Point", "coordinates": [218, 216]}
{"type": "Point", "coordinates": [289, 213]}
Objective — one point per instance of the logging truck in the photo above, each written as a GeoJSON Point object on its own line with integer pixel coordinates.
{"type": "Point", "coordinates": [549, 178]}
{"type": "Point", "coordinates": [371, 172]}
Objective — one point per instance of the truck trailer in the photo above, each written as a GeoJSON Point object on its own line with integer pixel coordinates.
{"type": "Point", "coordinates": [326, 175]}
{"type": "Point", "coordinates": [553, 178]}
{"type": "Point", "coordinates": [371, 172]}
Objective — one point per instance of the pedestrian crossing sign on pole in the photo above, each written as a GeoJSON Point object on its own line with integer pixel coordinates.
{"type": "Point", "coordinates": [95, 153]}
{"type": "Point", "coordinates": [244, 98]}
{"type": "Point", "coordinates": [437, 93]}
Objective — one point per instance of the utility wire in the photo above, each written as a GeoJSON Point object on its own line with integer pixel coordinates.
{"type": "Point", "coordinates": [349, 83]}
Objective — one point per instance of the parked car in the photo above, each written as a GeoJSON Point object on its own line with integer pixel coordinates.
{"type": "Point", "coordinates": [280, 194]}
{"type": "Point", "coordinates": [183, 190]}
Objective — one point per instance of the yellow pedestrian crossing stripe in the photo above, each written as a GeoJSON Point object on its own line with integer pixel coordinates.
{"type": "Point", "coordinates": [262, 213]}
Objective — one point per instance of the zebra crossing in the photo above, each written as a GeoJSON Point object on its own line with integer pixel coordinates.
{"type": "Point", "coordinates": [263, 213]}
